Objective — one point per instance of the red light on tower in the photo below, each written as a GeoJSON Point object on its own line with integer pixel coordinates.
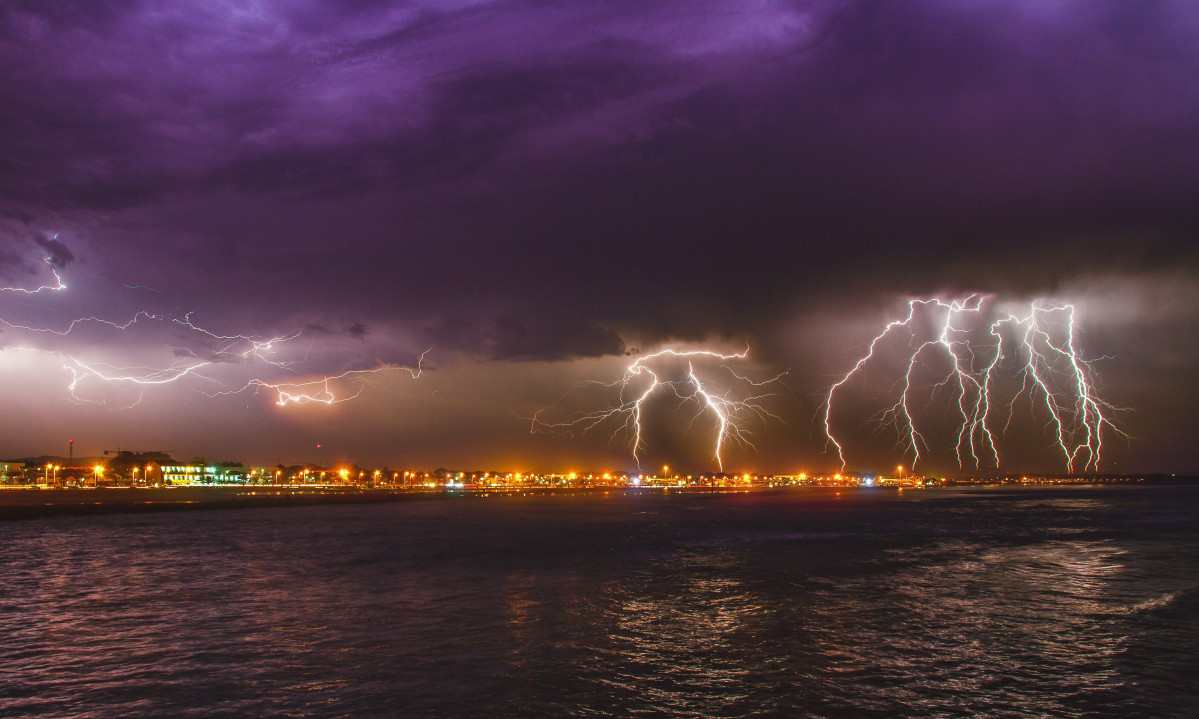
{"type": "Point", "coordinates": [70, 449]}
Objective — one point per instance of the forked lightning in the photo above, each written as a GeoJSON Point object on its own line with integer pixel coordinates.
{"type": "Point", "coordinates": [730, 412]}
{"type": "Point", "coordinates": [1041, 350]}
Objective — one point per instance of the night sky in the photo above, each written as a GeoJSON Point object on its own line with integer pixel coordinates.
{"type": "Point", "coordinates": [538, 192]}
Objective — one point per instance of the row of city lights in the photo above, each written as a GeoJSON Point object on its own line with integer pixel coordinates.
{"type": "Point", "coordinates": [50, 472]}
{"type": "Point", "coordinates": [345, 476]}
{"type": "Point", "coordinates": [456, 480]}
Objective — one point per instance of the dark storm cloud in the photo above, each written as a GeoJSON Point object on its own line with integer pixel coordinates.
{"type": "Point", "coordinates": [291, 98]}
{"type": "Point", "coordinates": [8, 258]}
{"type": "Point", "coordinates": [507, 338]}
{"type": "Point", "coordinates": [20, 248]}
{"type": "Point", "coordinates": [57, 253]}
{"type": "Point", "coordinates": [549, 181]}
{"type": "Point", "coordinates": [648, 136]}
{"type": "Point", "coordinates": [920, 146]}
{"type": "Point", "coordinates": [19, 215]}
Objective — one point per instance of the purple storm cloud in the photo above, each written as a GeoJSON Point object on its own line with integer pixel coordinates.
{"type": "Point", "coordinates": [540, 190]}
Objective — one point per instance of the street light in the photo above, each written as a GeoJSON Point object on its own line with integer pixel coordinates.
{"type": "Point", "coordinates": [96, 475]}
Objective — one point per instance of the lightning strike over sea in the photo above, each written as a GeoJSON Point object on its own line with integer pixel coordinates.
{"type": "Point", "coordinates": [822, 358]}
{"type": "Point", "coordinates": [961, 345]}
{"type": "Point", "coordinates": [730, 411]}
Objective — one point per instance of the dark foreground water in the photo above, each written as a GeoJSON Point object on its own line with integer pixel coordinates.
{"type": "Point", "coordinates": [942, 603]}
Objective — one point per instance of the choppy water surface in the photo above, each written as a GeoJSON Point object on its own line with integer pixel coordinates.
{"type": "Point", "coordinates": [867, 604]}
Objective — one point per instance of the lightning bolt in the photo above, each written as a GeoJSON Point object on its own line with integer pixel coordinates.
{"type": "Point", "coordinates": [731, 414]}
{"type": "Point", "coordinates": [131, 375]}
{"type": "Point", "coordinates": [1052, 373]}
{"type": "Point", "coordinates": [221, 348]}
{"type": "Point", "coordinates": [58, 285]}
{"type": "Point", "coordinates": [255, 347]}
{"type": "Point", "coordinates": [321, 391]}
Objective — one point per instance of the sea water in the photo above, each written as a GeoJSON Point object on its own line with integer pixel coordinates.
{"type": "Point", "coordinates": [811, 603]}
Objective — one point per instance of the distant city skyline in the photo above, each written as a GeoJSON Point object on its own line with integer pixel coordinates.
{"type": "Point", "coordinates": [444, 235]}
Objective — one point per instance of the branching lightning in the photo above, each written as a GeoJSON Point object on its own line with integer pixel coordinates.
{"type": "Point", "coordinates": [626, 416]}
{"type": "Point", "coordinates": [56, 287]}
{"type": "Point", "coordinates": [1041, 350]}
{"type": "Point", "coordinates": [215, 349]}
{"type": "Point", "coordinates": [322, 391]}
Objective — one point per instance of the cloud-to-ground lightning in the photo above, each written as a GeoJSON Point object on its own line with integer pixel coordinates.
{"type": "Point", "coordinates": [731, 413]}
{"type": "Point", "coordinates": [1042, 352]}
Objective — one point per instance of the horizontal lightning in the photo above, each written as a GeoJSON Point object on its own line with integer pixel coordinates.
{"type": "Point", "coordinates": [322, 391]}
{"type": "Point", "coordinates": [56, 287]}
{"type": "Point", "coordinates": [228, 347]}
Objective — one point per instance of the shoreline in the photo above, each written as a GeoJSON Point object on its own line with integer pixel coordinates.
{"type": "Point", "coordinates": [23, 503]}
{"type": "Point", "coordinates": [35, 503]}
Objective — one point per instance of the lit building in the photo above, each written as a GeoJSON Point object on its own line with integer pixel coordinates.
{"type": "Point", "coordinates": [188, 474]}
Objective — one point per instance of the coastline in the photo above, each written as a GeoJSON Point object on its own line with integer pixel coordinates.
{"type": "Point", "coordinates": [35, 503]}
{"type": "Point", "coordinates": [26, 503]}
{"type": "Point", "coordinates": [16, 504]}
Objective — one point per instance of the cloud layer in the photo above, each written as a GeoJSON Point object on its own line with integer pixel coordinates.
{"type": "Point", "coordinates": [541, 182]}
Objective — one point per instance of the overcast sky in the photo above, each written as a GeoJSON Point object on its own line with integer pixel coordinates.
{"type": "Point", "coordinates": [537, 193]}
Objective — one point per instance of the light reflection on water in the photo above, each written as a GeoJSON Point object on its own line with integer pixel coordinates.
{"type": "Point", "coordinates": [1029, 603]}
{"type": "Point", "coordinates": [680, 636]}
